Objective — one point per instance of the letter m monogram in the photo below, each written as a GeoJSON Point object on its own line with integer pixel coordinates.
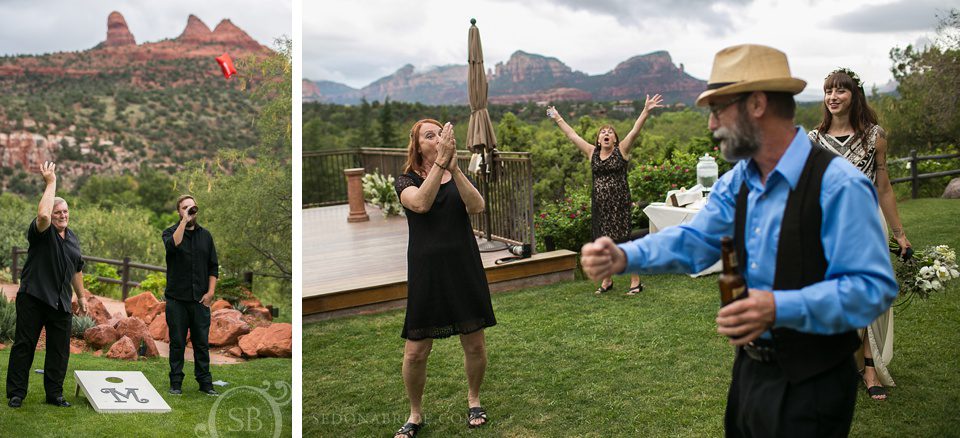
{"type": "Point", "coordinates": [117, 395]}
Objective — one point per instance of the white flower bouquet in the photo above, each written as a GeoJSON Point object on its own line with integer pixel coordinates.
{"type": "Point", "coordinates": [379, 191]}
{"type": "Point", "coordinates": [928, 271]}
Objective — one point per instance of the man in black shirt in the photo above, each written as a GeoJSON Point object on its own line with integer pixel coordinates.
{"type": "Point", "coordinates": [192, 271]}
{"type": "Point", "coordinates": [43, 301]}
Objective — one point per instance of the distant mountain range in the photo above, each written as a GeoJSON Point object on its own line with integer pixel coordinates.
{"type": "Point", "coordinates": [524, 77]}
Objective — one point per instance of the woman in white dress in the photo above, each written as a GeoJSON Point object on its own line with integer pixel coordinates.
{"type": "Point", "coordinates": [849, 128]}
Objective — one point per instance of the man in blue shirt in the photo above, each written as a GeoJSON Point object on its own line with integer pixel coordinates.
{"type": "Point", "coordinates": [809, 242]}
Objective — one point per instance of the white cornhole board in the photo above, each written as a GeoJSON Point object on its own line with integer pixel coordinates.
{"type": "Point", "coordinates": [120, 392]}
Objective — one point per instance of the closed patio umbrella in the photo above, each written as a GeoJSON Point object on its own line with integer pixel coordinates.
{"type": "Point", "coordinates": [480, 136]}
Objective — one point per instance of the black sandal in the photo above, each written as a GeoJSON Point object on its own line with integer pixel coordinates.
{"type": "Point", "coordinates": [876, 390]}
{"type": "Point", "coordinates": [602, 289]}
{"type": "Point", "coordinates": [410, 430]}
{"type": "Point", "coordinates": [478, 413]}
{"type": "Point", "coordinates": [635, 290]}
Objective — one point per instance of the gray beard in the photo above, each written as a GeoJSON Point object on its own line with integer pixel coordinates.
{"type": "Point", "coordinates": [740, 142]}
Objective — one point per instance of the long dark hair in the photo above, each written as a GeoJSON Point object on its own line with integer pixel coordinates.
{"type": "Point", "coordinates": [862, 117]}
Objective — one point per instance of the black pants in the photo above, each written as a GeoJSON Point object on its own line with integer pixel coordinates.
{"type": "Point", "coordinates": [183, 315]}
{"type": "Point", "coordinates": [763, 403]}
{"type": "Point", "coordinates": [32, 316]}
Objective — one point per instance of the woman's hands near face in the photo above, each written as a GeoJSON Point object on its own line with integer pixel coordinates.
{"type": "Point", "coordinates": [448, 146]}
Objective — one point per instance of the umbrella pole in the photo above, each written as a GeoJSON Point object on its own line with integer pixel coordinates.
{"type": "Point", "coordinates": [486, 243]}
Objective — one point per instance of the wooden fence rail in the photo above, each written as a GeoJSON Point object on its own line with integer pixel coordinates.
{"type": "Point", "coordinates": [125, 267]}
{"type": "Point", "coordinates": [915, 176]}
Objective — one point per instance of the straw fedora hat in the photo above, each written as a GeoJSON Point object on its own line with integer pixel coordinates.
{"type": "Point", "coordinates": [749, 67]}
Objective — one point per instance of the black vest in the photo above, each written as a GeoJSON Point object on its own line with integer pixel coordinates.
{"type": "Point", "coordinates": [800, 262]}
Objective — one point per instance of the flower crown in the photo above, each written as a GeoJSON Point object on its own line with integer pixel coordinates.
{"type": "Point", "coordinates": [850, 73]}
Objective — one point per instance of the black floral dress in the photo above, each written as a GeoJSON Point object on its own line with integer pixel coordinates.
{"type": "Point", "coordinates": [447, 291]}
{"type": "Point", "coordinates": [611, 196]}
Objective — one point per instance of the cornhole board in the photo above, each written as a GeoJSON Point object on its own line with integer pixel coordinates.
{"type": "Point", "coordinates": [112, 392]}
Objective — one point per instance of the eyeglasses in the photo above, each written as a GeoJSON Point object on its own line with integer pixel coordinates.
{"type": "Point", "coordinates": [716, 109]}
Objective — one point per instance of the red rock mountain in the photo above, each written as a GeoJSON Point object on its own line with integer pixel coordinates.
{"type": "Point", "coordinates": [120, 51]}
{"type": "Point", "coordinates": [118, 34]}
{"type": "Point", "coordinates": [525, 77]}
{"type": "Point", "coordinates": [195, 32]}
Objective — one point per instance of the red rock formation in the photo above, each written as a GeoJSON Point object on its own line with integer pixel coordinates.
{"type": "Point", "coordinates": [275, 340]}
{"type": "Point", "coordinates": [27, 149]}
{"type": "Point", "coordinates": [123, 349]}
{"type": "Point", "coordinates": [228, 33]}
{"type": "Point", "coordinates": [118, 35]}
{"type": "Point", "coordinates": [195, 32]}
{"type": "Point", "coordinates": [100, 336]}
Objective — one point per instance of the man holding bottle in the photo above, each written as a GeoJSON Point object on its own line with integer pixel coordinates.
{"type": "Point", "coordinates": [815, 266]}
{"type": "Point", "coordinates": [192, 272]}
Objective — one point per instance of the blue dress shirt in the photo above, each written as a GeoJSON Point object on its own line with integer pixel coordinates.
{"type": "Point", "coordinates": [858, 284]}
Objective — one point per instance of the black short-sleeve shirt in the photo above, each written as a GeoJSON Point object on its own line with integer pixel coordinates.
{"type": "Point", "coordinates": [190, 265]}
{"type": "Point", "coordinates": [52, 261]}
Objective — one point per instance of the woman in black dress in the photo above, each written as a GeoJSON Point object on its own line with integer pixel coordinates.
{"type": "Point", "coordinates": [610, 200]}
{"type": "Point", "coordinates": [447, 292]}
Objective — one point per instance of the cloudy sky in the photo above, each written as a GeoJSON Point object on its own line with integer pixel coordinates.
{"type": "Point", "coordinates": [358, 41]}
{"type": "Point", "coordinates": [44, 26]}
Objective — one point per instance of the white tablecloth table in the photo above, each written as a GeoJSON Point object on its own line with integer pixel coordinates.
{"type": "Point", "coordinates": [663, 216]}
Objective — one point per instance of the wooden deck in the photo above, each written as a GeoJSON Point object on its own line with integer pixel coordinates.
{"type": "Point", "coordinates": [362, 267]}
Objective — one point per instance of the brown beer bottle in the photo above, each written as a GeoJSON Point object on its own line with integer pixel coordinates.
{"type": "Point", "coordinates": [732, 285]}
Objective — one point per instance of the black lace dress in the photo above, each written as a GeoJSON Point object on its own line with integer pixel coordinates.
{"type": "Point", "coordinates": [447, 292]}
{"type": "Point", "coordinates": [610, 207]}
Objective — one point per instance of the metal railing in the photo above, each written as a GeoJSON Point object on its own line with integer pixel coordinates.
{"type": "Point", "coordinates": [509, 197]}
{"type": "Point", "coordinates": [323, 181]}
{"type": "Point", "coordinates": [915, 176]}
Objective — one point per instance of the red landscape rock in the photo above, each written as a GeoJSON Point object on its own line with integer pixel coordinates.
{"type": "Point", "coordinates": [235, 351]}
{"type": "Point", "coordinates": [157, 309]}
{"type": "Point", "coordinates": [98, 353]}
{"type": "Point", "coordinates": [251, 302]}
{"type": "Point", "coordinates": [123, 349]}
{"type": "Point", "coordinates": [96, 309]}
{"type": "Point", "coordinates": [134, 329]}
{"type": "Point", "coordinates": [226, 327]}
{"type": "Point", "coordinates": [77, 346]}
{"type": "Point", "coordinates": [138, 306]}
{"type": "Point", "coordinates": [2, 346]}
{"type": "Point", "coordinates": [260, 312]}
{"type": "Point", "coordinates": [101, 336]}
{"type": "Point", "coordinates": [275, 340]}
{"type": "Point", "coordinates": [158, 328]}
{"type": "Point", "coordinates": [220, 304]}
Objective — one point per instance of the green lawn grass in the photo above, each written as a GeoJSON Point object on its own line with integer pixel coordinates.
{"type": "Point", "coordinates": [190, 412]}
{"type": "Point", "coordinates": [563, 362]}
